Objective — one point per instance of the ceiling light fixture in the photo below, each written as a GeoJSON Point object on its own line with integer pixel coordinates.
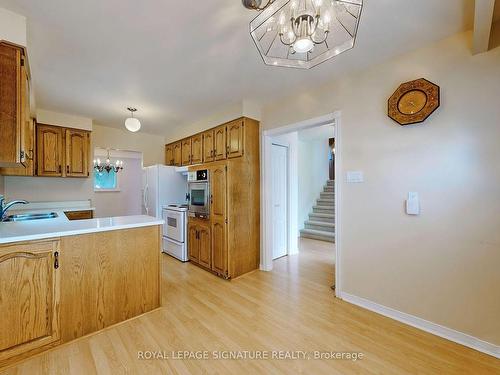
{"type": "Point", "coordinates": [132, 124]}
{"type": "Point", "coordinates": [303, 33]}
{"type": "Point", "coordinates": [117, 166]}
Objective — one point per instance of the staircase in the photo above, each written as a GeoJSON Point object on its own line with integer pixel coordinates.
{"type": "Point", "coordinates": [321, 223]}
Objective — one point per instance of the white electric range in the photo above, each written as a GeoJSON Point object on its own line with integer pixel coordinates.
{"type": "Point", "coordinates": [175, 231]}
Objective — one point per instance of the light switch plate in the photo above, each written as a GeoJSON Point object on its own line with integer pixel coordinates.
{"type": "Point", "coordinates": [412, 204]}
{"type": "Point", "coordinates": [355, 177]}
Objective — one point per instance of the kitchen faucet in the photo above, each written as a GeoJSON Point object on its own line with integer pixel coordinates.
{"type": "Point", "coordinates": [5, 206]}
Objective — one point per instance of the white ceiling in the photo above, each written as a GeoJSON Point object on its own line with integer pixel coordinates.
{"type": "Point", "coordinates": [179, 61]}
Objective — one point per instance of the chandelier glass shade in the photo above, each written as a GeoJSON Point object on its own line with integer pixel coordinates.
{"type": "Point", "coordinates": [108, 166]}
{"type": "Point", "coordinates": [305, 33]}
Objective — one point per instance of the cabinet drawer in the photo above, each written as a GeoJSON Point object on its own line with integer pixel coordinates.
{"type": "Point", "coordinates": [79, 215]}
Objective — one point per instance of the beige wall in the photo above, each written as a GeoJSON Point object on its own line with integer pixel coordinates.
{"type": "Point", "coordinates": [151, 146]}
{"type": "Point", "coordinates": [63, 119]}
{"type": "Point", "coordinates": [444, 265]}
{"type": "Point", "coordinates": [245, 108]}
{"type": "Point", "coordinates": [12, 27]}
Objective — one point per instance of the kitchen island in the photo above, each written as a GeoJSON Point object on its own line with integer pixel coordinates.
{"type": "Point", "coordinates": [62, 279]}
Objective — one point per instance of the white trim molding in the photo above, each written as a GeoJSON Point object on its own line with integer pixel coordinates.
{"type": "Point", "coordinates": [433, 328]}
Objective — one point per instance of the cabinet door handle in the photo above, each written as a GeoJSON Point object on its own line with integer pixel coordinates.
{"type": "Point", "coordinates": [67, 169]}
{"type": "Point", "coordinates": [211, 198]}
{"type": "Point", "coordinates": [56, 260]}
{"type": "Point", "coordinates": [60, 168]}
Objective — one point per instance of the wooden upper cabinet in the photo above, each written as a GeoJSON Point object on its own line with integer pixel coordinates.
{"type": "Point", "coordinates": [186, 151]}
{"type": "Point", "coordinates": [208, 146]}
{"type": "Point", "coordinates": [49, 141]}
{"type": "Point", "coordinates": [29, 297]}
{"type": "Point", "coordinates": [196, 149]}
{"type": "Point", "coordinates": [220, 142]}
{"type": "Point", "coordinates": [77, 153]}
{"type": "Point", "coordinates": [204, 246]}
{"type": "Point", "coordinates": [10, 105]}
{"type": "Point", "coordinates": [27, 166]}
{"type": "Point", "coordinates": [235, 136]}
{"type": "Point", "coordinates": [169, 155]}
{"type": "Point", "coordinates": [177, 150]}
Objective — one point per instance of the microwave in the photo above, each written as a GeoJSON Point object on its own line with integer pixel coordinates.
{"type": "Point", "coordinates": [199, 194]}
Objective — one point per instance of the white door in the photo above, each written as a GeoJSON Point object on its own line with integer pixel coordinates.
{"type": "Point", "coordinates": [280, 199]}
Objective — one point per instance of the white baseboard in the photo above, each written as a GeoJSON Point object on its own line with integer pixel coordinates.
{"type": "Point", "coordinates": [424, 325]}
{"type": "Point", "coordinates": [264, 268]}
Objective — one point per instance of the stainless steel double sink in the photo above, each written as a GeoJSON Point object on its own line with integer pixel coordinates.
{"type": "Point", "coordinates": [26, 217]}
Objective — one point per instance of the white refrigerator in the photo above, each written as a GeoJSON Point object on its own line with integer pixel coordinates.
{"type": "Point", "coordinates": [161, 185]}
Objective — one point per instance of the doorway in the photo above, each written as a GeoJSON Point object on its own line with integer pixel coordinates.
{"type": "Point", "coordinates": [311, 193]}
{"type": "Point", "coordinates": [280, 200]}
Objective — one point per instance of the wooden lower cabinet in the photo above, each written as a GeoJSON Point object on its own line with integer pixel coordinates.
{"type": "Point", "coordinates": [54, 291]}
{"type": "Point", "coordinates": [199, 243]}
{"type": "Point", "coordinates": [29, 297]}
{"type": "Point", "coordinates": [219, 248]}
{"type": "Point", "coordinates": [193, 244]}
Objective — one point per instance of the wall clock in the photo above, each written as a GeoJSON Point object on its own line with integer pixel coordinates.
{"type": "Point", "coordinates": [414, 101]}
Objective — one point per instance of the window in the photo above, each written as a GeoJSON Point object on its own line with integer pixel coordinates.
{"type": "Point", "coordinates": [104, 181]}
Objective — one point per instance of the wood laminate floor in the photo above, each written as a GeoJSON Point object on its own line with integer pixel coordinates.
{"type": "Point", "coordinates": [291, 308]}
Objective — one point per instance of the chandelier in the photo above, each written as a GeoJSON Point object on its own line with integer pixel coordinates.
{"type": "Point", "coordinates": [303, 33]}
{"type": "Point", "coordinates": [108, 166]}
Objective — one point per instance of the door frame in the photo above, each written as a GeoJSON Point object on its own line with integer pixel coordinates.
{"type": "Point", "coordinates": [287, 147]}
{"type": "Point", "coordinates": [266, 190]}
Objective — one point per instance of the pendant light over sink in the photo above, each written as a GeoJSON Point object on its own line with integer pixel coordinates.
{"type": "Point", "coordinates": [132, 123]}
{"type": "Point", "coordinates": [303, 33]}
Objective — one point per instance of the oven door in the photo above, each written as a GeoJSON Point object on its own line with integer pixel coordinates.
{"type": "Point", "coordinates": [198, 197]}
{"type": "Point", "coordinates": [174, 225]}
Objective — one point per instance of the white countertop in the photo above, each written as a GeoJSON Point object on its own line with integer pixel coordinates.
{"type": "Point", "coordinates": [61, 226]}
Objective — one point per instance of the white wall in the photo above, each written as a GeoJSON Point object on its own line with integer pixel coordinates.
{"type": "Point", "coordinates": [12, 27]}
{"type": "Point", "coordinates": [313, 174]}
{"type": "Point", "coordinates": [126, 201]}
{"type": "Point", "coordinates": [442, 266]}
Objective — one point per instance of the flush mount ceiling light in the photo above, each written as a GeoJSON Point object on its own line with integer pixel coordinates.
{"type": "Point", "coordinates": [132, 124]}
{"type": "Point", "coordinates": [303, 33]}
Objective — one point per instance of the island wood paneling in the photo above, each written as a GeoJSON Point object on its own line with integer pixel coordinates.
{"type": "Point", "coordinates": [108, 277]}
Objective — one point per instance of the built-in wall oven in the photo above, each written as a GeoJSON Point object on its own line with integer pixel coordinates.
{"type": "Point", "coordinates": [199, 194]}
